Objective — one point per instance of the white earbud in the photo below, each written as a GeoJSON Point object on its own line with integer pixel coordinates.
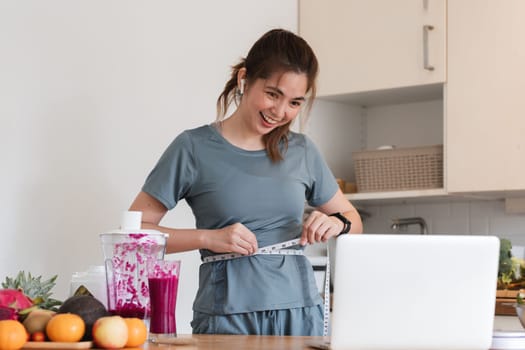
{"type": "Point", "coordinates": [241, 88]}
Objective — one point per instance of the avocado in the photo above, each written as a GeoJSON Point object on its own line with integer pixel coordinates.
{"type": "Point", "coordinates": [88, 308]}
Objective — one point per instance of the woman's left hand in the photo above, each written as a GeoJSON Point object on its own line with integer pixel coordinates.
{"type": "Point", "coordinates": [319, 227]}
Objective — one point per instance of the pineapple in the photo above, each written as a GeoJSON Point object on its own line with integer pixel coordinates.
{"type": "Point", "coordinates": [37, 290]}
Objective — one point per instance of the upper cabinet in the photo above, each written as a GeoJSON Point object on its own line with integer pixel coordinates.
{"type": "Point", "coordinates": [371, 45]}
{"type": "Point", "coordinates": [485, 96]}
{"type": "Point", "coordinates": [466, 55]}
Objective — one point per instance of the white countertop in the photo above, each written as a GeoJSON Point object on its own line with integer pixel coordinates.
{"type": "Point", "coordinates": [507, 323]}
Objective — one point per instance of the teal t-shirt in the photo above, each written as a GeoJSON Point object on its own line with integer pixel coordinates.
{"type": "Point", "coordinates": [223, 185]}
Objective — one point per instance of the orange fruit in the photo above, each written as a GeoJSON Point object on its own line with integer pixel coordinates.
{"type": "Point", "coordinates": [137, 332]}
{"type": "Point", "coordinates": [65, 328]}
{"type": "Point", "coordinates": [13, 335]}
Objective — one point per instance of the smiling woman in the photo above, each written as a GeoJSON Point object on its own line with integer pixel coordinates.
{"type": "Point", "coordinates": [283, 75]}
{"type": "Point", "coordinates": [267, 106]}
{"type": "Point", "coordinates": [220, 168]}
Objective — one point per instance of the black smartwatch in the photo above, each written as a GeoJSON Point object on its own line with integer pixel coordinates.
{"type": "Point", "coordinates": [347, 224]}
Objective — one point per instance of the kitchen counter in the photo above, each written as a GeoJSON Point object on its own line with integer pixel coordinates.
{"type": "Point", "coordinates": [244, 342]}
{"type": "Point", "coordinates": [507, 323]}
{"type": "Point", "coordinates": [253, 342]}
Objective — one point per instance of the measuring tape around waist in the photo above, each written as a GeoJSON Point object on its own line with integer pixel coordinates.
{"type": "Point", "coordinates": [276, 249]}
{"type": "Point", "coordinates": [281, 249]}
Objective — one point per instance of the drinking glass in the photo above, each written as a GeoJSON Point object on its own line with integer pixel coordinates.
{"type": "Point", "coordinates": [163, 282]}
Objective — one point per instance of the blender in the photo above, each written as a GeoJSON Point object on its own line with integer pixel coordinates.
{"type": "Point", "coordinates": [127, 254]}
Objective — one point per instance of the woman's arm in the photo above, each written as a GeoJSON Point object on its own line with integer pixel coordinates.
{"type": "Point", "coordinates": [235, 238]}
{"type": "Point", "coordinates": [319, 226]}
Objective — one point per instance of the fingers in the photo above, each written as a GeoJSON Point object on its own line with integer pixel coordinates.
{"type": "Point", "coordinates": [318, 227]}
{"type": "Point", "coordinates": [245, 245]}
{"type": "Point", "coordinates": [246, 240]}
{"type": "Point", "coordinates": [235, 238]}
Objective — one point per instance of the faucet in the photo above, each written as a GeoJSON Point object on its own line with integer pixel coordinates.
{"type": "Point", "coordinates": [400, 223]}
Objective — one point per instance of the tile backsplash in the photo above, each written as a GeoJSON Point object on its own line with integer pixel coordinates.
{"type": "Point", "coordinates": [474, 217]}
{"type": "Point", "coordinates": [451, 217]}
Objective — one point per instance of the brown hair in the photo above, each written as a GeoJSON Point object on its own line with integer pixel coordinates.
{"type": "Point", "coordinates": [277, 50]}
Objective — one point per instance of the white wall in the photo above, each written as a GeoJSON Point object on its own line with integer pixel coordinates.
{"type": "Point", "coordinates": [91, 92]}
{"type": "Point", "coordinates": [336, 129]}
{"type": "Point", "coordinates": [405, 125]}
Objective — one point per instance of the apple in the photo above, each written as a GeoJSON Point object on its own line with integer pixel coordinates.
{"type": "Point", "coordinates": [110, 332]}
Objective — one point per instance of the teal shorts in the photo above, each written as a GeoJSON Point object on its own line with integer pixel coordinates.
{"type": "Point", "coordinates": [299, 321]}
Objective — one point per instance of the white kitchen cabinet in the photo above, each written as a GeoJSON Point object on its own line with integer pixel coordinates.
{"type": "Point", "coordinates": [485, 96]}
{"type": "Point", "coordinates": [370, 57]}
{"type": "Point", "coordinates": [375, 44]}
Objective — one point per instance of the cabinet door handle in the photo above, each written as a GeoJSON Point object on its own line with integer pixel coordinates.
{"type": "Point", "coordinates": [426, 28]}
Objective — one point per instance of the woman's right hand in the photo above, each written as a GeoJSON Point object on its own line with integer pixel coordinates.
{"type": "Point", "coordinates": [235, 238]}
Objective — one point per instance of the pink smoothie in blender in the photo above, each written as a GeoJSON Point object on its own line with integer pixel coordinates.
{"type": "Point", "coordinates": [127, 253]}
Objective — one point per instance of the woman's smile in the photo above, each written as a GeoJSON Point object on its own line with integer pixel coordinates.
{"type": "Point", "coordinates": [269, 120]}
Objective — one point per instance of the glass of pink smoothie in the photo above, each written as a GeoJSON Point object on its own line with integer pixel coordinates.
{"type": "Point", "coordinates": [163, 283]}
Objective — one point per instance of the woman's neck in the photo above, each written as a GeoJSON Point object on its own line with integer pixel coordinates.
{"type": "Point", "coordinates": [239, 134]}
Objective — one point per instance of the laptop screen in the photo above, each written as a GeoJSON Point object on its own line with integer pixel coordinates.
{"type": "Point", "coordinates": [414, 291]}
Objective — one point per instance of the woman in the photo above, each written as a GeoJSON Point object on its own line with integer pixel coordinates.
{"type": "Point", "coordinates": [246, 179]}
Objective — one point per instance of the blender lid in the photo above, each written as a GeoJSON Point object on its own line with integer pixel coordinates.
{"type": "Point", "coordinates": [130, 224]}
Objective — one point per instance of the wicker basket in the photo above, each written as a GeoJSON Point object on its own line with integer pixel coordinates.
{"type": "Point", "coordinates": [399, 169]}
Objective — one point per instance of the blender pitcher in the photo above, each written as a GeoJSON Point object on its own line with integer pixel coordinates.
{"type": "Point", "coordinates": [127, 253]}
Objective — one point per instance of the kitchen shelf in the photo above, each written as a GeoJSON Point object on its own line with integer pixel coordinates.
{"type": "Point", "coordinates": [425, 196]}
{"type": "Point", "coordinates": [399, 196]}
{"type": "Point", "coordinates": [391, 96]}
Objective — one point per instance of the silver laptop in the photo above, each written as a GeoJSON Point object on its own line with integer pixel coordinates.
{"type": "Point", "coordinates": [414, 292]}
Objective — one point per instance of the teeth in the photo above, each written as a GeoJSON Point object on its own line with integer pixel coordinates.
{"type": "Point", "coordinates": [268, 119]}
